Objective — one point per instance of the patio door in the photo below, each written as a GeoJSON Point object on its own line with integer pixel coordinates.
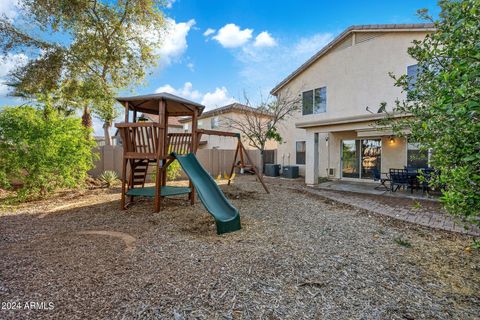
{"type": "Point", "coordinates": [360, 157]}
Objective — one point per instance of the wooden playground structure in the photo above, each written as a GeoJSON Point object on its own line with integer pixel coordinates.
{"type": "Point", "coordinates": [150, 143]}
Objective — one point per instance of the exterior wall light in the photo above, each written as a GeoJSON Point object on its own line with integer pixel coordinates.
{"type": "Point", "coordinates": [392, 139]}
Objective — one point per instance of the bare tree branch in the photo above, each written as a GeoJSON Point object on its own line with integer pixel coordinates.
{"type": "Point", "coordinates": [258, 124]}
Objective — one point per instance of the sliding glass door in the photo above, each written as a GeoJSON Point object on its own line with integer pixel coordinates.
{"type": "Point", "coordinates": [371, 157]}
{"type": "Point", "coordinates": [350, 158]}
{"type": "Point", "coordinates": [360, 157]}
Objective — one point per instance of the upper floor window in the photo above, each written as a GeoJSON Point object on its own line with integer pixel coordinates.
{"type": "Point", "coordinates": [412, 75]}
{"type": "Point", "coordinates": [185, 127]}
{"type": "Point", "coordinates": [215, 122]}
{"type": "Point", "coordinates": [314, 101]}
{"type": "Point", "coordinates": [200, 124]}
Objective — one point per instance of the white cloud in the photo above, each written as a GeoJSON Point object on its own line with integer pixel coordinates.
{"type": "Point", "coordinates": [169, 3]}
{"type": "Point", "coordinates": [230, 36]}
{"type": "Point", "coordinates": [208, 32]}
{"type": "Point", "coordinates": [166, 88]}
{"type": "Point", "coordinates": [191, 66]}
{"type": "Point", "coordinates": [3, 89]}
{"type": "Point", "coordinates": [264, 39]}
{"type": "Point", "coordinates": [218, 98]}
{"type": "Point", "coordinates": [9, 8]}
{"type": "Point", "coordinates": [186, 91]}
{"type": "Point", "coordinates": [174, 41]}
{"type": "Point", "coordinates": [7, 64]}
{"type": "Point", "coordinates": [262, 68]}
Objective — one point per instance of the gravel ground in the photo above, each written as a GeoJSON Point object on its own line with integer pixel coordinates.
{"type": "Point", "coordinates": [298, 256]}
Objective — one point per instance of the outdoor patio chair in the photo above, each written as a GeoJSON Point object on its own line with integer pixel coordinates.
{"type": "Point", "coordinates": [399, 179]}
{"type": "Point", "coordinates": [427, 175]}
{"type": "Point", "coordinates": [377, 176]}
{"type": "Point", "coordinates": [411, 170]}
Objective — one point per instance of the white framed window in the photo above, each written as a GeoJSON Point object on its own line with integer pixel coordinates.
{"type": "Point", "coordinates": [200, 124]}
{"type": "Point", "coordinates": [185, 127]}
{"type": "Point", "coordinates": [314, 101]}
{"type": "Point", "coordinates": [412, 75]}
{"type": "Point", "coordinates": [300, 152]}
{"type": "Point", "coordinates": [215, 122]}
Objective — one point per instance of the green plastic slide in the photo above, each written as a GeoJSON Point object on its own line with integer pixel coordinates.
{"type": "Point", "coordinates": [226, 216]}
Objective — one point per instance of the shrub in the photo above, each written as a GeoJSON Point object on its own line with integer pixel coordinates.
{"type": "Point", "coordinates": [173, 170]}
{"type": "Point", "coordinates": [109, 178]}
{"type": "Point", "coordinates": [41, 151]}
{"type": "Point", "coordinates": [443, 104]}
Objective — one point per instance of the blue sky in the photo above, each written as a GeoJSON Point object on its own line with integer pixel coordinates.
{"type": "Point", "coordinates": [215, 50]}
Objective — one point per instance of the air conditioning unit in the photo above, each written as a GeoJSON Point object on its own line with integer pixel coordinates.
{"type": "Point", "coordinates": [290, 172]}
{"type": "Point", "coordinates": [331, 172]}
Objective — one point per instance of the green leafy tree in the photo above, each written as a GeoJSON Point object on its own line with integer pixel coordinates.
{"type": "Point", "coordinates": [104, 46]}
{"type": "Point", "coordinates": [442, 109]}
{"type": "Point", "coordinates": [42, 150]}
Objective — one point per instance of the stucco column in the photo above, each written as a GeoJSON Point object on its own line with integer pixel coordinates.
{"type": "Point", "coordinates": [310, 159]}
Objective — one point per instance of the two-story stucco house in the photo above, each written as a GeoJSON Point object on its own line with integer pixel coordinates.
{"type": "Point", "coordinates": [218, 119]}
{"type": "Point", "coordinates": [334, 135]}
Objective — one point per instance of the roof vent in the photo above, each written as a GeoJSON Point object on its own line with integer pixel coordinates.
{"type": "Point", "coordinates": [366, 36]}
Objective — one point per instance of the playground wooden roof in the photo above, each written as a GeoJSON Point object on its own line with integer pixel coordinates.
{"type": "Point", "coordinates": [175, 106]}
{"type": "Point", "coordinates": [172, 121]}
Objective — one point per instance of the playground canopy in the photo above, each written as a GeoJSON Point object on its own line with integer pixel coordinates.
{"type": "Point", "coordinates": [174, 106]}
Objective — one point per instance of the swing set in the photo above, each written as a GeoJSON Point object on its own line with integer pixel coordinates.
{"type": "Point", "coordinates": [240, 153]}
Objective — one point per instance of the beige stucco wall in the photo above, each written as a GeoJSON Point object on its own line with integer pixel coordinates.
{"type": "Point", "coordinates": [355, 77]}
{"type": "Point", "coordinates": [175, 129]}
{"type": "Point", "coordinates": [224, 143]}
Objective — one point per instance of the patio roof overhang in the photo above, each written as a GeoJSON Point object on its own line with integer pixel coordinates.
{"type": "Point", "coordinates": [358, 122]}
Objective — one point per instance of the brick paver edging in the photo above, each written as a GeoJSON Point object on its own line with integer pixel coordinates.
{"type": "Point", "coordinates": [429, 219]}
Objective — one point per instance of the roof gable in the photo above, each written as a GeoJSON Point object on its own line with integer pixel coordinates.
{"type": "Point", "coordinates": [344, 40]}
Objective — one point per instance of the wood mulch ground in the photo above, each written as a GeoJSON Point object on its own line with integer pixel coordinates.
{"type": "Point", "coordinates": [298, 256]}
